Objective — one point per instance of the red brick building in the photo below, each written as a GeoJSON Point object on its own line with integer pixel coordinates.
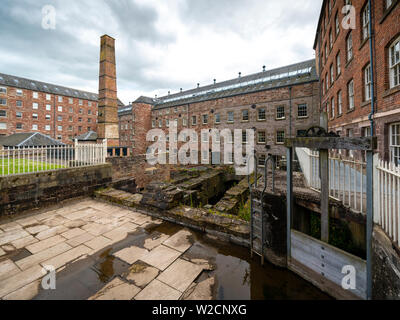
{"type": "Point", "coordinates": [349, 79]}
{"type": "Point", "coordinates": [277, 103]}
{"type": "Point", "coordinates": [32, 106]}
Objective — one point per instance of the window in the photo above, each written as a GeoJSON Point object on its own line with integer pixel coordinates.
{"type": "Point", "coordinates": [35, 106]}
{"type": "Point", "coordinates": [301, 133]}
{"type": "Point", "coordinates": [205, 118]}
{"type": "Point", "coordinates": [350, 91]}
{"type": "Point", "coordinates": [81, 102]}
{"type": "Point", "coordinates": [280, 112]}
{"type": "Point", "coordinates": [338, 65]}
{"type": "Point", "coordinates": [90, 113]}
{"type": "Point", "coordinates": [19, 92]}
{"type": "Point", "coordinates": [89, 103]}
{"type": "Point", "coordinates": [388, 3]}
{"type": "Point", "coordinates": [261, 160]}
{"type": "Point", "coordinates": [71, 110]}
{"type": "Point", "coordinates": [330, 40]}
{"type": "Point", "coordinates": [70, 101]}
{"type": "Point", "coordinates": [333, 108]}
{"type": "Point", "coordinates": [244, 137]}
{"type": "Point", "coordinates": [3, 102]}
{"type": "Point", "coordinates": [394, 63]}
{"type": "Point", "coordinates": [60, 99]}
{"type": "Point", "coordinates": [217, 118]}
{"type": "Point", "coordinates": [19, 126]}
{"type": "Point", "coordinates": [35, 95]}
{"type": "Point", "coordinates": [3, 126]}
{"type": "Point", "coordinates": [327, 82]}
{"type": "Point", "coordinates": [18, 115]}
{"type": "Point", "coordinates": [59, 128]}
{"type": "Point", "coordinates": [47, 127]}
{"type": "Point", "coordinates": [48, 107]}
{"type": "Point", "coordinates": [34, 115]}
{"type": "Point", "coordinates": [205, 137]}
{"type": "Point", "coordinates": [34, 127]}
{"type": "Point", "coordinates": [395, 143]}
{"type": "Point", "coordinates": [19, 103]}
{"type": "Point", "coordinates": [261, 114]}
{"type": "Point", "coordinates": [153, 123]}
{"type": "Point", "coordinates": [280, 137]}
{"type": "Point", "coordinates": [367, 83]}
{"type": "Point", "coordinates": [231, 116]}
{"type": "Point", "coordinates": [184, 122]}
{"type": "Point", "coordinates": [261, 137]}
{"type": "Point", "coordinates": [48, 97]}
{"type": "Point", "coordinates": [332, 74]}
{"type": "Point", "coordinates": [3, 113]}
{"type": "Point", "coordinates": [48, 117]}
{"type": "Point", "coordinates": [340, 105]}
{"type": "Point", "coordinates": [194, 120]}
{"type": "Point", "coordinates": [167, 123]}
{"type": "Point", "coordinates": [349, 47]}
{"type": "Point", "coordinates": [70, 119]}
{"type": "Point", "coordinates": [81, 111]}
{"type": "Point", "coordinates": [302, 110]}
{"type": "Point", "coordinates": [3, 90]}
{"type": "Point", "coordinates": [59, 118]}
{"type": "Point", "coordinates": [245, 115]}
{"type": "Point", "coordinates": [60, 108]}
{"type": "Point", "coordinates": [365, 22]}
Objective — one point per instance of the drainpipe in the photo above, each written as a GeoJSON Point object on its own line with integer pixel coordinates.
{"type": "Point", "coordinates": [372, 64]}
{"type": "Point", "coordinates": [290, 117]}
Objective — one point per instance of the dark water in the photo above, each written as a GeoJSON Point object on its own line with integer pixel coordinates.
{"type": "Point", "coordinates": [237, 276]}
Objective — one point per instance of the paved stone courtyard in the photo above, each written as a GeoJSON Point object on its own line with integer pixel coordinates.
{"type": "Point", "coordinates": [60, 237]}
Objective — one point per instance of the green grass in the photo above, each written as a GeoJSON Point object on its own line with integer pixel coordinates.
{"type": "Point", "coordinates": [16, 166]}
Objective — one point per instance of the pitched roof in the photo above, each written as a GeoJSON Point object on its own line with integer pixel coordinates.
{"type": "Point", "coordinates": [23, 83]}
{"type": "Point", "coordinates": [88, 136]}
{"type": "Point", "coordinates": [298, 73]}
{"type": "Point", "coordinates": [29, 139]}
{"type": "Point", "coordinates": [143, 99]}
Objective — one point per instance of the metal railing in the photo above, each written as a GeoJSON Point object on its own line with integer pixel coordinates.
{"type": "Point", "coordinates": [347, 178]}
{"type": "Point", "coordinates": [387, 198]}
{"type": "Point", "coordinates": [24, 160]}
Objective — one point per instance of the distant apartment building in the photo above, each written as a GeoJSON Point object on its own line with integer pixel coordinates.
{"type": "Point", "coordinates": [347, 75]}
{"type": "Point", "coordinates": [276, 104]}
{"type": "Point", "coordinates": [32, 106]}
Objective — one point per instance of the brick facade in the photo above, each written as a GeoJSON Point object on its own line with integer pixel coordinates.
{"type": "Point", "coordinates": [72, 115]}
{"type": "Point", "coordinates": [354, 121]}
{"type": "Point", "coordinates": [247, 107]}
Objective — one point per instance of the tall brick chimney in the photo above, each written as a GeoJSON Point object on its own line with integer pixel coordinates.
{"type": "Point", "coordinates": [108, 105]}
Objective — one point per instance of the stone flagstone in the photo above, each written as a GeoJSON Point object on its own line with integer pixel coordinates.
{"type": "Point", "coordinates": [45, 244]}
{"type": "Point", "coordinates": [155, 241]}
{"type": "Point", "coordinates": [157, 290]}
{"type": "Point", "coordinates": [74, 242]}
{"type": "Point", "coordinates": [98, 243]}
{"type": "Point", "coordinates": [117, 290]}
{"type": "Point", "coordinates": [51, 232]}
{"type": "Point", "coordinates": [142, 275]}
{"type": "Point", "coordinates": [180, 241]}
{"type": "Point", "coordinates": [180, 274]}
{"type": "Point", "coordinates": [131, 254]}
{"type": "Point", "coordinates": [43, 255]}
{"type": "Point", "coordinates": [37, 229]}
{"type": "Point", "coordinates": [20, 280]}
{"type": "Point", "coordinates": [161, 257]}
{"type": "Point", "coordinates": [67, 257]}
{"type": "Point", "coordinates": [22, 243]}
{"type": "Point", "coordinates": [12, 235]}
{"type": "Point", "coordinates": [73, 233]}
{"type": "Point", "coordinates": [27, 292]}
{"type": "Point", "coordinates": [7, 268]}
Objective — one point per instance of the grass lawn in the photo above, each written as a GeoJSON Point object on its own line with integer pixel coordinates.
{"type": "Point", "coordinates": [15, 166]}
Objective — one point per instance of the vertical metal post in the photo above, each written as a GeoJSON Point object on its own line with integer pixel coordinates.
{"type": "Point", "coordinates": [289, 199]}
{"type": "Point", "coordinates": [370, 216]}
{"type": "Point", "coordinates": [324, 173]}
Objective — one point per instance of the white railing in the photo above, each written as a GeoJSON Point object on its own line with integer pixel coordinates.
{"type": "Point", "coordinates": [347, 178]}
{"type": "Point", "coordinates": [38, 159]}
{"type": "Point", "coordinates": [387, 198]}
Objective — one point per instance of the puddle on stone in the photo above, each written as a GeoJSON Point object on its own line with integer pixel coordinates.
{"type": "Point", "coordinates": [19, 254]}
{"type": "Point", "coordinates": [238, 277]}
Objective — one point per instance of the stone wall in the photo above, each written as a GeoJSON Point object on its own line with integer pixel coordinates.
{"type": "Point", "coordinates": [386, 267]}
{"type": "Point", "coordinates": [31, 191]}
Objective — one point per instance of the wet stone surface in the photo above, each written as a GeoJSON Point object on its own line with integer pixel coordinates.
{"type": "Point", "coordinates": [128, 255]}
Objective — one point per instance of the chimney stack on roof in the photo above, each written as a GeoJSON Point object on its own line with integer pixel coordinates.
{"type": "Point", "coordinates": [240, 74]}
{"type": "Point", "coordinates": [215, 81]}
{"type": "Point", "coordinates": [264, 68]}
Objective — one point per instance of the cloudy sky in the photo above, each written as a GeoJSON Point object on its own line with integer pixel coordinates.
{"type": "Point", "coordinates": [161, 45]}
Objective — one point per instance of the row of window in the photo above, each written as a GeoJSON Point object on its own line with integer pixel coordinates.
{"type": "Point", "coordinates": [35, 95]}
{"type": "Point", "coordinates": [302, 112]}
{"type": "Point", "coordinates": [35, 116]}
{"type": "Point", "coordinates": [174, 110]}
{"type": "Point", "coordinates": [35, 127]}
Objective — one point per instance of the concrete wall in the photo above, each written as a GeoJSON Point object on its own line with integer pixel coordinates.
{"type": "Point", "coordinates": [30, 191]}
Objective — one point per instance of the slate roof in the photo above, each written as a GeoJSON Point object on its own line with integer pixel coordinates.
{"type": "Point", "coordinates": [23, 83]}
{"type": "Point", "coordinates": [29, 139]}
{"type": "Point", "coordinates": [294, 74]}
{"type": "Point", "coordinates": [88, 136]}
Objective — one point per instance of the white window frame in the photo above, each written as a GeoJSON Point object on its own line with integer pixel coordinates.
{"type": "Point", "coordinates": [349, 46]}
{"type": "Point", "coordinates": [340, 103]}
{"type": "Point", "coordinates": [367, 82]}
{"type": "Point", "coordinates": [394, 63]}
{"type": "Point", "coordinates": [394, 146]}
{"type": "Point", "coordinates": [365, 22]}
{"type": "Point", "coordinates": [350, 94]}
